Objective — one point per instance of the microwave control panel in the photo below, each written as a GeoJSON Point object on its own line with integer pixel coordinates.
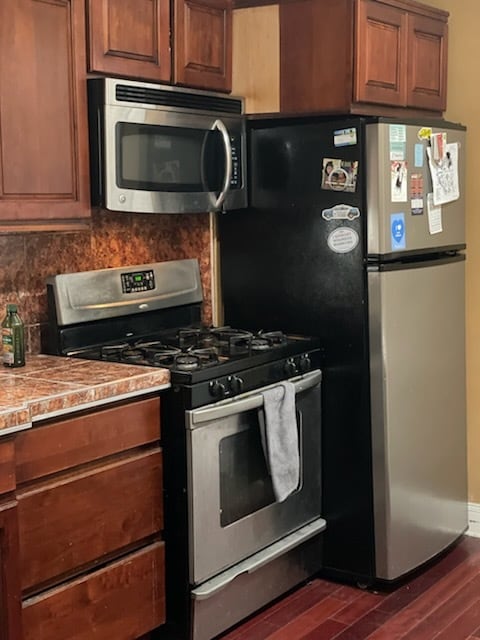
{"type": "Point", "coordinates": [236, 179]}
{"type": "Point", "coordinates": [137, 281]}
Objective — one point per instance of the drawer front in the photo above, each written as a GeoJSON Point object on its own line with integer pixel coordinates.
{"type": "Point", "coordinates": [7, 466]}
{"type": "Point", "coordinates": [123, 600]}
{"type": "Point", "coordinates": [76, 519]}
{"type": "Point", "coordinates": [55, 446]}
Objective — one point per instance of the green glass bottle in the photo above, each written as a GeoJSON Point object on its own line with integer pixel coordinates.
{"type": "Point", "coordinates": [13, 338]}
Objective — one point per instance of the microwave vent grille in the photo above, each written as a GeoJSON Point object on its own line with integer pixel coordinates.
{"type": "Point", "coordinates": [179, 99]}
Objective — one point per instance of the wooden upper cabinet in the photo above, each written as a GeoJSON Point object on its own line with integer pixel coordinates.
{"type": "Point", "coordinates": [427, 62]}
{"type": "Point", "coordinates": [362, 56]}
{"type": "Point", "coordinates": [381, 54]}
{"type": "Point", "coordinates": [203, 44]}
{"type": "Point", "coordinates": [130, 38]}
{"type": "Point", "coordinates": [134, 39]}
{"type": "Point", "coordinates": [43, 111]}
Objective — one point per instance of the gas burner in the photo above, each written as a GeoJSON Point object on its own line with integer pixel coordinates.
{"type": "Point", "coordinates": [233, 341]}
{"type": "Point", "coordinates": [207, 355]}
{"type": "Point", "coordinates": [189, 336]}
{"type": "Point", "coordinates": [187, 362]}
{"type": "Point", "coordinates": [260, 344]}
{"type": "Point", "coordinates": [151, 344]}
{"type": "Point", "coordinates": [162, 354]}
{"type": "Point", "coordinates": [132, 355]}
{"type": "Point", "coordinates": [274, 338]}
{"type": "Point", "coordinates": [113, 351]}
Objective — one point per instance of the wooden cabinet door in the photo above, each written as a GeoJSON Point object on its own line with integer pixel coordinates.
{"type": "Point", "coordinates": [10, 604]}
{"type": "Point", "coordinates": [381, 54]}
{"type": "Point", "coordinates": [427, 63]}
{"type": "Point", "coordinates": [122, 600]}
{"type": "Point", "coordinates": [83, 517]}
{"type": "Point", "coordinates": [130, 38]}
{"type": "Point", "coordinates": [43, 111]}
{"type": "Point", "coordinates": [203, 44]}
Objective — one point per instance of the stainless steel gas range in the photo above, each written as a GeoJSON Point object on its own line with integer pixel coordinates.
{"type": "Point", "coordinates": [231, 544]}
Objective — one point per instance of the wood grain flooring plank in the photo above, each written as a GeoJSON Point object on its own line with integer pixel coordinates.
{"type": "Point", "coordinates": [268, 620]}
{"type": "Point", "coordinates": [401, 623]}
{"type": "Point", "coordinates": [364, 627]}
{"type": "Point", "coordinates": [309, 620]}
{"type": "Point", "coordinates": [463, 625]}
{"type": "Point", "coordinates": [419, 582]}
{"type": "Point", "coordinates": [445, 613]}
{"type": "Point", "coordinates": [356, 609]}
{"type": "Point", "coordinates": [326, 631]}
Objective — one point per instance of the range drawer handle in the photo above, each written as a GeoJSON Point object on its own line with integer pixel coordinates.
{"type": "Point", "coordinates": [258, 560]}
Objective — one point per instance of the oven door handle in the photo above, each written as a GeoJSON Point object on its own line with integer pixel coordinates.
{"type": "Point", "coordinates": [259, 559]}
{"type": "Point", "coordinates": [230, 407]}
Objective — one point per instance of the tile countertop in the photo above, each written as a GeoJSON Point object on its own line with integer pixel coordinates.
{"type": "Point", "coordinates": [49, 386]}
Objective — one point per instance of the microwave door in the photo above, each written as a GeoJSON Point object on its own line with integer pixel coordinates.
{"type": "Point", "coordinates": [217, 201]}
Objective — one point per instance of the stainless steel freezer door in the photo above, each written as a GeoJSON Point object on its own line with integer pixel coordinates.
{"type": "Point", "coordinates": [382, 210]}
{"type": "Point", "coordinates": [417, 351]}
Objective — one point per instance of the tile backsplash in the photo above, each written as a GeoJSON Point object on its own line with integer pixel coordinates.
{"type": "Point", "coordinates": [26, 260]}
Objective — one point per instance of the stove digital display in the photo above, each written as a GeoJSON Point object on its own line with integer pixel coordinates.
{"type": "Point", "coordinates": [137, 281]}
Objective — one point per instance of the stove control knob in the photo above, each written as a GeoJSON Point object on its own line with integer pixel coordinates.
{"type": "Point", "coordinates": [290, 367]}
{"type": "Point", "coordinates": [217, 389]}
{"type": "Point", "coordinates": [236, 384]}
{"type": "Point", "coordinates": [305, 364]}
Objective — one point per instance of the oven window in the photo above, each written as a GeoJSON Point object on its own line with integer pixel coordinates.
{"type": "Point", "coordinates": [245, 484]}
{"type": "Point", "coordinates": [161, 158]}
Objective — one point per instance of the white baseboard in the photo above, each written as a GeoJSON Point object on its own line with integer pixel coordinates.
{"type": "Point", "coordinates": [473, 520]}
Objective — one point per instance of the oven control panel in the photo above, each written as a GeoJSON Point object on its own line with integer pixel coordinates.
{"type": "Point", "coordinates": [137, 281]}
{"type": "Point", "coordinates": [232, 385]}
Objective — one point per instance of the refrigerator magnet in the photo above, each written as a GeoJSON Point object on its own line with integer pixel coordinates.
{"type": "Point", "coordinates": [398, 179]}
{"type": "Point", "coordinates": [425, 133]}
{"type": "Point", "coordinates": [416, 194]}
{"type": "Point", "coordinates": [419, 155]}
{"type": "Point", "coordinates": [397, 226]}
{"type": "Point", "coordinates": [343, 240]}
{"type": "Point", "coordinates": [434, 216]}
{"type": "Point", "coordinates": [341, 212]}
{"type": "Point", "coordinates": [339, 175]}
{"type": "Point", "coordinates": [398, 139]}
{"type": "Point", "coordinates": [345, 137]}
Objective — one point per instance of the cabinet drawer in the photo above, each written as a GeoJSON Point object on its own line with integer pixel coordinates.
{"type": "Point", "coordinates": [123, 600]}
{"type": "Point", "coordinates": [66, 443]}
{"type": "Point", "coordinates": [76, 519]}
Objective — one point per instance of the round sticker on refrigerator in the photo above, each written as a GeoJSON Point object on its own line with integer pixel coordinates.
{"type": "Point", "coordinates": [343, 240]}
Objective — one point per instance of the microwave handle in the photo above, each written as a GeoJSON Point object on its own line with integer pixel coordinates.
{"type": "Point", "coordinates": [219, 125]}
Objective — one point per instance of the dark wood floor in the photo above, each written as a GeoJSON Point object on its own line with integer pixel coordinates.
{"type": "Point", "coordinates": [441, 603]}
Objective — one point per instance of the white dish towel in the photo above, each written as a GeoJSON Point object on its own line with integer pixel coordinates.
{"type": "Point", "coordinates": [280, 438]}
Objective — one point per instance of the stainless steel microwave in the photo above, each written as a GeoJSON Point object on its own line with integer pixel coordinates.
{"type": "Point", "coordinates": [161, 149]}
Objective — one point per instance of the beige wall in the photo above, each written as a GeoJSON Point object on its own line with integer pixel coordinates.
{"type": "Point", "coordinates": [463, 106]}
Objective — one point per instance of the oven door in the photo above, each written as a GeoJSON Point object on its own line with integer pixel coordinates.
{"type": "Point", "coordinates": [232, 509]}
{"type": "Point", "coordinates": [168, 162]}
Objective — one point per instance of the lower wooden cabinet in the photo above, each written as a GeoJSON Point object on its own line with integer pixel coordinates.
{"type": "Point", "coordinates": [81, 518]}
{"type": "Point", "coordinates": [120, 601]}
{"type": "Point", "coordinates": [10, 614]}
{"type": "Point", "coordinates": [81, 524]}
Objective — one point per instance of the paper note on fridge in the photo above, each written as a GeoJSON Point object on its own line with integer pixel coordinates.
{"type": "Point", "coordinates": [445, 175]}
{"type": "Point", "coordinates": [434, 215]}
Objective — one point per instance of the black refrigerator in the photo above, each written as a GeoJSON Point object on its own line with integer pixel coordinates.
{"type": "Point", "coordinates": [355, 233]}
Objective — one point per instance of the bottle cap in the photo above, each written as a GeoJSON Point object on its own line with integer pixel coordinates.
{"type": "Point", "coordinates": [12, 308]}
